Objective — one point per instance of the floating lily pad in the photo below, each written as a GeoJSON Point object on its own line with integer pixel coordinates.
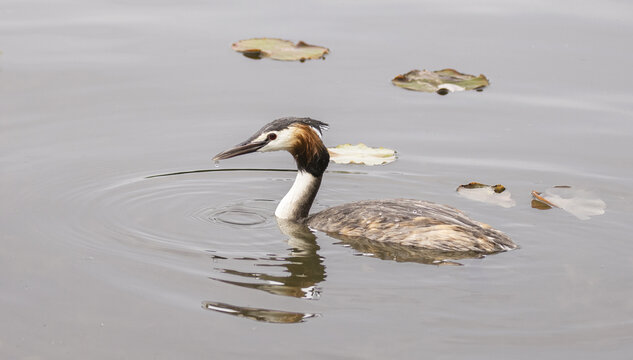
{"type": "Point", "coordinates": [279, 49]}
{"type": "Point", "coordinates": [440, 81]}
{"type": "Point", "coordinates": [361, 154]}
{"type": "Point", "coordinates": [578, 202]}
{"type": "Point", "coordinates": [490, 194]}
{"type": "Point", "coordinates": [541, 203]}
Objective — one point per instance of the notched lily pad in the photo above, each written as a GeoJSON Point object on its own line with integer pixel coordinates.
{"type": "Point", "coordinates": [361, 154]}
{"type": "Point", "coordinates": [490, 194]}
{"type": "Point", "coordinates": [441, 81]}
{"type": "Point", "coordinates": [279, 49]}
{"type": "Point", "coordinates": [578, 202]}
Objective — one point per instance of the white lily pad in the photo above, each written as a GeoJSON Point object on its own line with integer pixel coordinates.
{"type": "Point", "coordinates": [361, 154]}
{"type": "Point", "coordinates": [578, 202]}
{"type": "Point", "coordinates": [490, 194]}
{"type": "Point", "coordinates": [279, 49]}
{"type": "Point", "coordinates": [441, 81]}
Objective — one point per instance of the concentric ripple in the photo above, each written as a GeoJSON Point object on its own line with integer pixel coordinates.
{"type": "Point", "coordinates": [244, 213]}
{"type": "Point", "coordinates": [185, 222]}
{"type": "Point", "coordinates": [175, 214]}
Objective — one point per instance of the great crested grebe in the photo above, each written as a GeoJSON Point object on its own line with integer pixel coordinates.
{"type": "Point", "coordinates": [401, 222]}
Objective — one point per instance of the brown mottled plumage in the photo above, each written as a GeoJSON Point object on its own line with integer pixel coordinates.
{"type": "Point", "coordinates": [400, 223]}
{"type": "Point", "coordinates": [411, 223]}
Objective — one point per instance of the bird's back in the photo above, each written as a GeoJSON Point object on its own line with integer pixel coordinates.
{"type": "Point", "coordinates": [409, 222]}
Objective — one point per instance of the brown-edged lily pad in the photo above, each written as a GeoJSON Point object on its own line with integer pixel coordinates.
{"type": "Point", "coordinates": [279, 49]}
{"type": "Point", "coordinates": [541, 203]}
{"type": "Point", "coordinates": [578, 202]}
{"type": "Point", "coordinates": [361, 154]}
{"type": "Point", "coordinates": [490, 194]}
{"type": "Point", "coordinates": [440, 81]}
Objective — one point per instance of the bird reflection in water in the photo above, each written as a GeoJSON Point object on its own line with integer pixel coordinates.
{"type": "Point", "coordinates": [404, 253]}
{"type": "Point", "coordinates": [303, 266]}
{"type": "Point", "coordinates": [305, 270]}
{"type": "Point", "coordinates": [259, 314]}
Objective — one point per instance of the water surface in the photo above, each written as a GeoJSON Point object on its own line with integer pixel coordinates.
{"type": "Point", "coordinates": [101, 260]}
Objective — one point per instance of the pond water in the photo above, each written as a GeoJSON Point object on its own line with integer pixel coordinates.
{"type": "Point", "coordinates": [102, 260]}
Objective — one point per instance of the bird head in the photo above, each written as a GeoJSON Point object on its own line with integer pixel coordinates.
{"type": "Point", "coordinates": [301, 137]}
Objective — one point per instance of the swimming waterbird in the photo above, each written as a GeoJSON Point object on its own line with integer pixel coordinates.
{"type": "Point", "coordinates": [401, 222]}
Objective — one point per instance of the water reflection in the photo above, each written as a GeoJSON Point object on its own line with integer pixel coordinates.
{"type": "Point", "coordinates": [303, 265]}
{"type": "Point", "coordinates": [404, 253]}
{"type": "Point", "coordinates": [303, 270]}
{"type": "Point", "coordinates": [266, 315]}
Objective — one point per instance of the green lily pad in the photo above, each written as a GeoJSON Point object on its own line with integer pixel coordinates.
{"type": "Point", "coordinates": [361, 154]}
{"type": "Point", "coordinates": [578, 202]}
{"type": "Point", "coordinates": [279, 49]}
{"type": "Point", "coordinates": [440, 81]}
{"type": "Point", "coordinates": [490, 194]}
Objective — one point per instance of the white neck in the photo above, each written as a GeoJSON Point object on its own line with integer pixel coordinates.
{"type": "Point", "coordinates": [297, 202]}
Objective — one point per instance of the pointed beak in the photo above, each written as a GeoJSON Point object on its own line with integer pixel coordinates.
{"type": "Point", "coordinates": [241, 149]}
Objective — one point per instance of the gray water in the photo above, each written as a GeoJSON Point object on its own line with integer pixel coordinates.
{"type": "Point", "coordinates": [99, 260]}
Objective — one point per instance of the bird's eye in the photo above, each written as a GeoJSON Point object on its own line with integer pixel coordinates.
{"type": "Point", "coordinates": [272, 136]}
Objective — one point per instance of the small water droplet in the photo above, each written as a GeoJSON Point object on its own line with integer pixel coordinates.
{"type": "Point", "coordinates": [216, 163]}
